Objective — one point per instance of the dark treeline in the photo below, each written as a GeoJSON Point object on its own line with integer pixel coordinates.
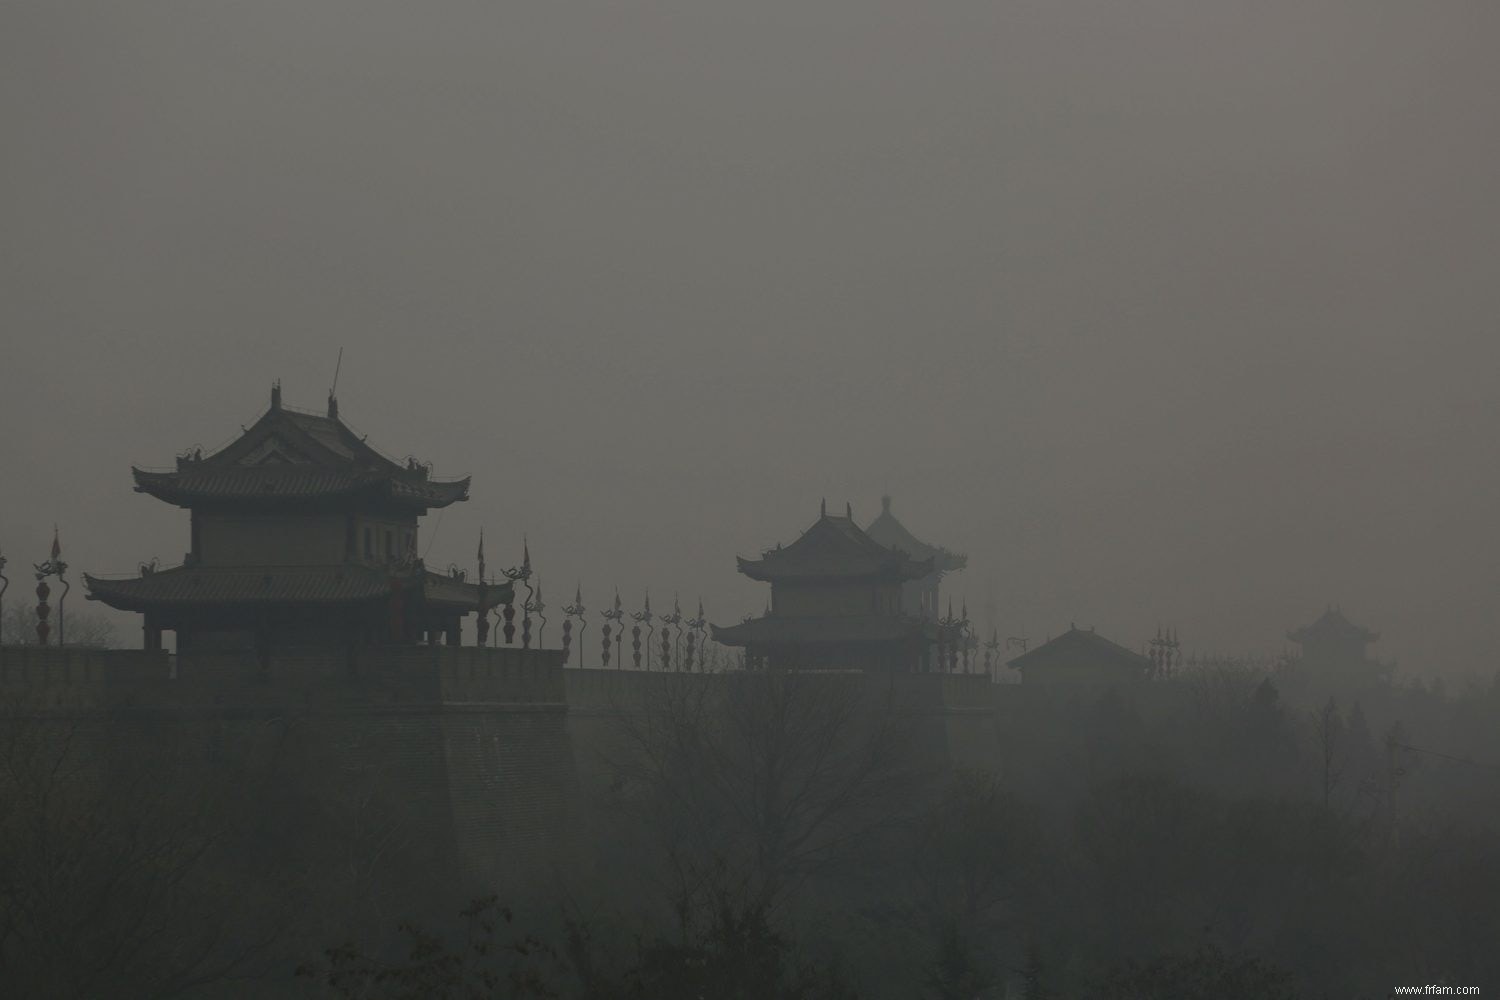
{"type": "Point", "coordinates": [1231, 832]}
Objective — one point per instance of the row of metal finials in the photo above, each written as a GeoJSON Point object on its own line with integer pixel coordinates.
{"type": "Point", "coordinates": [682, 639]}
{"type": "Point", "coordinates": [957, 646]}
{"type": "Point", "coordinates": [53, 566]}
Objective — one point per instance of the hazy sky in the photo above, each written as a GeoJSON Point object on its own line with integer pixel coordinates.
{"type": "Point", "coordinates": [1163, 311]}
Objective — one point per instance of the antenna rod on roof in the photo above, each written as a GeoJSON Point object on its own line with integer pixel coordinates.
{"type": "Point", "coordinates": [333, 402]}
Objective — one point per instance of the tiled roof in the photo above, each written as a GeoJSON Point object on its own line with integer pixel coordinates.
{"type": "Point", "coordinates": [1332, 626]}
{"type": "Point", "coordinates": [772, 629]}
{"type": "Point", "coordinates": [291, 455]}
{"type": "Point", "coordinates": [331, 434]}
{"type": "Point", "coordinates": [891, 533]}
{"type": "Point", "coordinates": [834, 547]}
{"type": "Point", "coordinates": [1076, 644]}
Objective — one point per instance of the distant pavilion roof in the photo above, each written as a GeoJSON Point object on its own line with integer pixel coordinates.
{"type": "Point", "coordinates": [774, 629]}
{"type": "Point", "coordinates": [891, 533]}
{"type": "Point", "coordinates": [202, 586]}
{"type": "Point", "coordinates": [1078, 643]}
{"type": "Point", "coordinates": [834, 548]}
{"type": "Point", "coordinates": [290, 456]}
{"type": "Point", "coordinates": [1332, 626]}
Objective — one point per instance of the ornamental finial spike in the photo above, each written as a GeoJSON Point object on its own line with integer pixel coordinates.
{"type": "Point", "coordinates": [823, 507]}
{"type": "Point", "coordinates": [849, 510]}
{"type": "Point", "coordinates": [525, 556]}
{"type": "Point", "coordinates": [276, 395]}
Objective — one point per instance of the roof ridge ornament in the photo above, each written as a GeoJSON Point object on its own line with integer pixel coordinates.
{"type": "Point", "coordinates": [276, 395]}
{"type": "Point", "coordinates": [823, 507]}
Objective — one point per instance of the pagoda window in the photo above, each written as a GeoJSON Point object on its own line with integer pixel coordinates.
{"type": "Point", "coordinates": [369, 543]}
{"type": "Point", "coordinates": [390, 544]}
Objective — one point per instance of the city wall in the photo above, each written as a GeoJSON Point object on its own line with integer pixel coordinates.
{"type": "Point", "coordinates": [459, 755]}
{"type": "Point", "coordinates": [485, 760]}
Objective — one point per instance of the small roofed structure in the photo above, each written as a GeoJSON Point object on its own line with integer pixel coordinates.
{"type": "Point", "coordinates": [920, 597]}
{"type": "Point", "coordinates": [1333, 638]}
{"type": "Point", "coordinates": [836, 603]}
{"type": "Point", "coordinates": [1334, 653]}
{"type": "Point", "coordinates": [1082, 656]}
{"type": "Point", "coordinates": [301, 533]}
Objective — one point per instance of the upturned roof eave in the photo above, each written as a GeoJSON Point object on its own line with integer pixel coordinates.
{"type": "Point", "coordinates": [759, 571]}
{"type": "Point", "coordinates": [134, 593]}
{"type": "Point", "coordinates": [427, 495]}
{"type": "Point", "coordinates": [474, 596]}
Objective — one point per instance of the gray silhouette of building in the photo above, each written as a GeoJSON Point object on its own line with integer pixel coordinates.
{"type": "Point", "coordinates": [301, 533]}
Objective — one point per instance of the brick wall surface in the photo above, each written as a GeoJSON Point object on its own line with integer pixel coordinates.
{"type": "Point", "coordinates": [478, 764]}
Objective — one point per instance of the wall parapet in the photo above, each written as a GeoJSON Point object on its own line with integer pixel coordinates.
{"type": "Point", "coordinates": [313, 676]}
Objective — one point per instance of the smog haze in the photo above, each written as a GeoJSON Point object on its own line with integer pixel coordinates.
{"type": "Point", "coordinates": [1163, 313]}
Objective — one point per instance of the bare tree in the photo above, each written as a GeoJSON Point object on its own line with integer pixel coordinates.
{"type": "Point", "coordinates": [752, 782]}
{"type": "Point", "coordinates": [975, 850]}
{"type": "Point", "coordinates": [109, 883]}
{"type": "Point", "coordinates": [973, 847]}
{"type": "Point", "coordinates": [1328, 740]}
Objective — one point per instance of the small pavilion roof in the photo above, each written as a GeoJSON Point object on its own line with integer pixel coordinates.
{"type": "Point", "coordinates": [834, 548]}
{"type": "Point", "coordinates": [1332, 627]}
{"type": "Point", "coordinates": [204, 586]}
{"type": "Point", "coordinates": [291, 455]}
{"type": "Point", "coordinates": [891, 533]}
{"type": "Point", "coordinates": [799, 630]}
{"type": "Point", "coordinates": [1076, 644]}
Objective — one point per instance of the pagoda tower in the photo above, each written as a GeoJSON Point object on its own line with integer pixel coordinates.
{"type": "Point", "coordinates": [301, 534]}
{"type": "Point", "coordinates": [920, 597]}
{"type": "Point", "coordinates": [1333, 640]}
{"type": "Point", "coordinates": [836, 603]}
{"type": "Point", "coordinates": [1335, 653]}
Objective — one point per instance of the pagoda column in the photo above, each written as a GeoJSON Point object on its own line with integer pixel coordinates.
{"type": "Point", "coordinates": [152, 631]}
